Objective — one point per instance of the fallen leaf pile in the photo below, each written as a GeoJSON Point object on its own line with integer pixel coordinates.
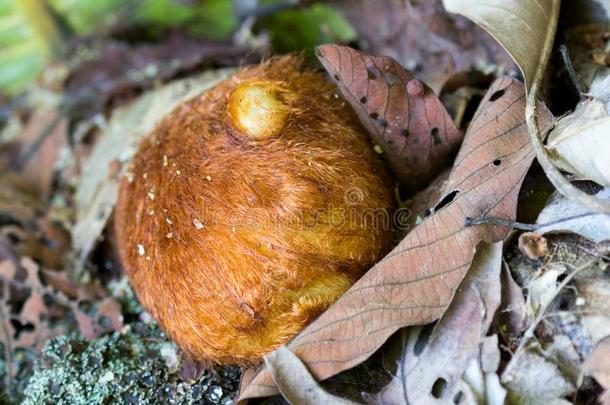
{"type": "Point", "coordinates": [36, 296]}
{"type": "Point", "coordinates": [415, 283]}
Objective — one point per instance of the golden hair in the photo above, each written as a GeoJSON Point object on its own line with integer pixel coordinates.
{"type": "Point", "coordinates": [235, 231]}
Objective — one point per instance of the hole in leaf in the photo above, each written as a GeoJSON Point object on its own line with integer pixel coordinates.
{"type": "Point", "coordinates": [439, 387]}
{"type": "Point", "coordinates": [435, 136]}
{"type": "Point", "coordinates": [457, 398]}
{"type": "Point", "coordinates": [497, 162]}
{"type": "Point", "coordinates": [21, 327]}
{"type": "Point", "coordinates": [48, 299]}
{"type": "Point", "coordinates": [337, 77]}
{"type": "Point", "coordinates": [404, 132]}
{"type": "Point", "coordinates": [446, 200]}
{"type": "Point", "coordinates": [374, 115]}
{"type": "Point", "coordinates": [497, 95]}
{"type": "Point", "coordinates": [86, 306]}
{"type": "Point", "coordinates": [372, 72]}
{"type": "Point", "coordinates": [363, 100]}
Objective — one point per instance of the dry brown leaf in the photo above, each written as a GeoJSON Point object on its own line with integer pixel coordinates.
{"type": "Point", "coordinates": [456, 340]}
{"type": "Point", "coordinates": [425, 200]}
{"type": "Point", "coordinates": [119, 68]}
{"type": "Point", "coordinates": [42, 140]}
{"type": "Point", "coordinates": [24, 224]}
{"type": "Point", "coordinates": [402, 114]}
{"type": "Point", "coordinates": [511, 318]}
{"type": "Point", "coordinates": [415, 282]}
{"type": "Point", "coordinates": [34, 290]}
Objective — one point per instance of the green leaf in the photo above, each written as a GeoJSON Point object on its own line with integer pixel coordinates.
{"type": "Point", "coordinates": [298, 29]}
{"type": "Point", "coordinates": [22, 53]}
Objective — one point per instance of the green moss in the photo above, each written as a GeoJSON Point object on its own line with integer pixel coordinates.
{"type": "Point", "coordinates": [120, 368]}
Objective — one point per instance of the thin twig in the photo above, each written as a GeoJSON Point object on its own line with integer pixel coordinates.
{"type": "Point", "coordinates": [6, 339]}
{"type": "Point", "coordinates": [565, 55]}
{"type": "Point", "coordinates": [529, 333]}
{"type": "Point", "coordinates": [520, 225]}
{"type": "Point", "coordinates": [26, 155]}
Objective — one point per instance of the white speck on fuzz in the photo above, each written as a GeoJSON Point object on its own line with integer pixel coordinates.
{"type": "Point", "coordinates": [141, 250]}
{"type": "Point", "coordinates": [197, 224]}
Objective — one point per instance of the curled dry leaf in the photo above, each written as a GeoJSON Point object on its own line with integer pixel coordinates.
{"type": "Point", "coordinates": [526, 29]}
{"type": "Point", "coordinates": [295, 382]}
{"type": "Point", "coordinates": [534, 380]}
{"type": "Point", "coordinates": [511, 318]}
{"type": "Point", "coordinates": [401, 113]}
{"type": "Point", "coordinates": [522, 27]}
{"type": "Point", "coordinates": [579, 143]}
{"type": "Point", "coordinates": [455, 341]}
{"type": "Point", "coordinates": [415, 282]}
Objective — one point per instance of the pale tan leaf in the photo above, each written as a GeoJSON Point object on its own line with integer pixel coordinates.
{"type": "Point", "coordinates": [522, 27]}
{"type": "Point", "coordinates": [534, 380]}
{"type": "Point", "coordinates": [295, 382]}
{"type": "Point", "coordinates": [580, 142]}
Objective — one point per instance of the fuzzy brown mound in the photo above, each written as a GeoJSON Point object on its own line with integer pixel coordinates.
{"type": "Point", "coordinates": [249, 210]}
